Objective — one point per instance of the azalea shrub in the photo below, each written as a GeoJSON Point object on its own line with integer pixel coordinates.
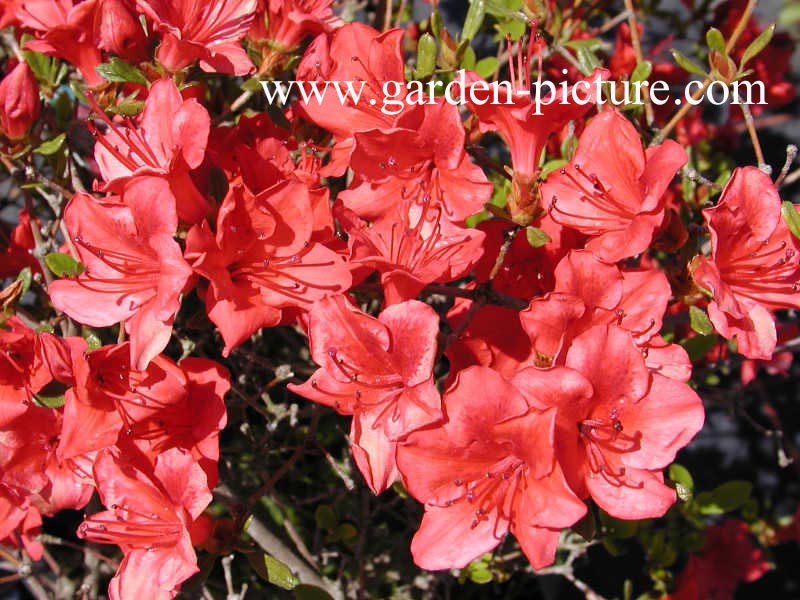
{"type": "Point", "coordinates": [314, 299]}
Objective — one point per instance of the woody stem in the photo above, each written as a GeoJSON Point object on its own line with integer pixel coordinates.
{"type": "Point", "coordinates": [687, 106]}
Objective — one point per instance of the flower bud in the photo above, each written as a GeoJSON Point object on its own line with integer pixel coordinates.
{"type": "Point", "coordinates": [19, 102]}
{"type": "Point", "coordinates": [120, 32]}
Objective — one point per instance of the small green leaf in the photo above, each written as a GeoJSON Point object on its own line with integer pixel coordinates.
{"type": "Point", "coordinates": [725, 498]}
{"type": "Point", "coordinates": [128, 108]}
{"type": "Point", "coordinates": [346, 532]}
{"type": "Point", "coordinates": [642, 71]}
{"type": "Point", "coordinates": [93, 340]}
{"type": "Point", "coordinates": [325, 517]}
{"type": "Point", "coordinates": [680, 475]}
{"type": "Point", "coordinates": [474, 19]}
{"type": "Point", "coordinates": [699, 321]}
{"type": "Point", "coordinates": [63, 265]}
{"type": "Point", "coordinates": [49, 401]}
{"type": "Point", "coordinates": [715, 40]}
{"type": "Point", "coordinates": [119, 71]}
{"type": "Point", "coordinates": [687, 64]}
{"type": "Point", "coordinates": [537, 237]}
{"type": "Point", "coordinates": [25, 276]}
{"type": "Point", "coordinates": [468, 62]}
{"type": "Point", "coordinates": [437, 25]}
{"type": "Point", "coordinates": [51, 146]}
{"type": "Point", "coordinates": [789, 212]}
{"type": "Point", "coordinates": [757, 45]}
{"type": "Point", "coordinates": [486, 67]}
{"type": "Point", "coordinates": [480, 575]}
{"type": "Point", "coordinates": [698, 346]}
{"type": "Point", "coordinates": [310, 592]}
{"type": "Point", "coordinates": [426, 56]}
{"type": "Point", "coordinates": [279, 574]}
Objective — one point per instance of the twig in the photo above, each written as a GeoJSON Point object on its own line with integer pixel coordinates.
{"type": "Point", "coordinates": [791, 155]}
{"type": "Point", "coordinates": [637, 49]}
{"type": "Point", "coordinates": [751, 130]}
{"type": "Point", "coordinates": [687, 106]}
{"type": "Point", "coordinates": [274, 546]}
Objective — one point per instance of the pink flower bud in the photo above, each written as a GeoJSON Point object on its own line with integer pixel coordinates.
{"type": "Point", "coordinates": [19, 102]}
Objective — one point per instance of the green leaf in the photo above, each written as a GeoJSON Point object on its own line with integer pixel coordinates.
{"type": "Point", "coordinates": [468, 62]}
{"type": "Point", "coordinates": [725, 498]}
{"type": "Point", "coordinates": [699, 321]}
{"type": "Point", "coordinates": [715, 40]}
{"type": "Point", "coordinates": [480, 575]}
{"type": "Point", "coordinates": [426, 56]}
{"type": "Point", "coordinates": [93, 340]}
{"type": "Point", "coordinates": [304, 591]}
{"type": "Point", "coordinates": [279, 574]}
{"type": "Point", "coordinates": [63, 265]}
{"type": "Point", "coordinates": [642, 71]}
{"type": "Point", "coordinates": [474, 19]}
{"type": "Point", "coordinates": [536, 237]}
{"type": "Point", "coordinates": [757, 45]}
{"type": "Point", "coordinates": [346, 532]}
{"type": "Point", "coordinates": [486, 67]}
{"type": "Point", "coordinates": [325, 517]}
{"type": "Point", "coordinates": [25, 276]}
{"type": "Point", "coordinates": [127, 108]}
{"type": "Point", "coordinates": [51, 146]}
{"type": "Point", "coordinates": [680, 474]}
{"type": "Point", "coordinates": [49, 401]}
{"type": "Point", "coordinates": [119, 71]}
{"type": "Point", "coordinates": [687, 64]}
{"type": "Point", "coordinates": [437, 25]}
{"type": "Point", "coordinates": [789, 212]}
{"type": "Point", "coordinates": [698, 346]}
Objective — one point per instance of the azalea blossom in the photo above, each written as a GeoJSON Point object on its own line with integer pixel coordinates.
{"type": "Point", "coordinates": [148, 516]}
{"type": "Point", "coordinates": [207, 32]}
{"type": "Point", "coordinates": [488, 469]}
{"type": "Point", "coordinates": [411, 251]}
{"type": "Point", "coordinates": [754, 266]}
{"type": "Point", "coordinates": [378, 370]}
{"type": "Point", "coordinates": [614, 437]}
{"type": "Point", "coordinates": [169, 141]}
{"type": "Point", "coordinates": [262, 259]}
{"type": "Point", "coordinates": [613, 190]}
{"type": "Point", "coordinates": [134, 271]}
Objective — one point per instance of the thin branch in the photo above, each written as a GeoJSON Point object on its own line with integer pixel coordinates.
{"type": "Point", "coordinates": [637, 49]}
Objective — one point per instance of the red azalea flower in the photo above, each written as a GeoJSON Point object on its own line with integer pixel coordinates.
{"type": "Point", "coordinates": [286, 23]}
{"type": "Point", "coordinates": [262, 260]}
{"type": "Point", "coordinates": [357, 53]}
{"type": "Point", "coordinates": [109, 398]}
{"type": "Point", "coordinates": [208, 32]}
{"type": "Point", "coordinates": [16, 247]}
{"type": "Point", "coordinates": [170, 141]}
{"type": "Point", "coordinates": [613, 189]}
{"type": "Point", "coordinates": [425, 163]}
{"type": "Point", "coordinates": [134, 269]}
{"type": "Point", "coordinates": [590, 292]}
{"type": "Point", "coordinates": [489, 468]}
{"type": "Point", "coordinates": [728, 559]}
{"type": "Point", "coordinates": [613, 440]}
{"type": "Point", "coordinates": [525, 125]}
{"type": "Point", "coordinates": [754, 266]}
{"type": "Point", "coordinates": [64, 29]}
{"type": "Point", "coordinates": [148, 517]}
{"type": "Point", "coordinates": [22, 371]}
{"type": "Point", "coordinates": [413, 250]}
{"type": "Point", "coordinates": [378, 370]}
